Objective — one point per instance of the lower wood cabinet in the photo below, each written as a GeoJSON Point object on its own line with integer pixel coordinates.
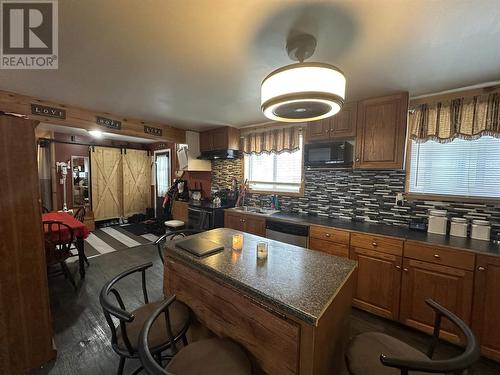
{"type": "Point", "coordinates": [486, 310]}
{"type": "Point", "coordinates": [255, 225]}
{"type": "Point", "coordinates": [329, 240]}
{"type": "Point", "coordinates": [245, 223]}
{"type": "Point", "coordinates": [378, 282]}
{"type": "Point", "coordinates": [449, 286]}
{"type": "Point", "coordinates": [233, 220]}
{"type": "Point", "coordinates": [338, 249]}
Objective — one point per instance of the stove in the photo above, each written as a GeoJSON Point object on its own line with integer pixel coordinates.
{"type": "Point", "coordinates": [204, 215]}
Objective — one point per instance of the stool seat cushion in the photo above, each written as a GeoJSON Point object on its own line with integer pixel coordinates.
{"type": "Point", "coordinates": [211, 357]}
{"type": "Point", "coordinates": [179, 319]}
{"type": "Point", "coordinates": [174, 223]}
{"type": "Point", "coordinates": [363, 354]}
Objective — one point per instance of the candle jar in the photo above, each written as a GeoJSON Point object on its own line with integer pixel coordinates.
{"type": "Point", "coordinates": [262, 250]}
{"type": "Point", "coordinates": [237, 241]}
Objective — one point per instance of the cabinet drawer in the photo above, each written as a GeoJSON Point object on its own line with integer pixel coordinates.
{"type": "Point", "coordinates": [439, 255]}
{"type": "Point", "coordinates": [329, 234]}
{"type": "Point", "coordinates": [377, 243]}
{"type": "Point", "coordinates": [338, 249]}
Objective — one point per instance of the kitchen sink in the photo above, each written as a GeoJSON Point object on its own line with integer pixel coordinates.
{"type": "Point", "coordinates": [257, 210]}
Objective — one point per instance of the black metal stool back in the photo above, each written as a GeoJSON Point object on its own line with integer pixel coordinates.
{"type": "Point", "coordinates": [172, 236]}
{"type": "Point", "coordinates": [454, 365]}
{"type": "Point", "coordinates": [119, 312]}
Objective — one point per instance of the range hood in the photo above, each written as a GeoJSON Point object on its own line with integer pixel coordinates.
{"type": "Point", "coordinates": [220, 154]}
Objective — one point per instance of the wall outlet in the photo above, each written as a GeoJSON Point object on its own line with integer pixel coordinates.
{"type": "Point", "coordinates": [400, 199]}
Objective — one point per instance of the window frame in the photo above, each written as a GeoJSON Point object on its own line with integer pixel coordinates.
{"type": "Point", "coordinates": [437, 197]}
{"type": "Point", "coordinates": [300, 193]}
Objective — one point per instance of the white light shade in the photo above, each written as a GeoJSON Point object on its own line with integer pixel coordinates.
{"type": "Point", "coordinates": [303, 92]}
{"type": "Point", "coordinates": [96, 133]}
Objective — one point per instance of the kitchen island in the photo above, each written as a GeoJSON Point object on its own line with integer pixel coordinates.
{"type": "Point", "coordinates": [290, 311]}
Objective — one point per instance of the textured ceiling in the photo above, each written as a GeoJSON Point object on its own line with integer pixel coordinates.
{"type": "Point", "coordinates": [199, 63]}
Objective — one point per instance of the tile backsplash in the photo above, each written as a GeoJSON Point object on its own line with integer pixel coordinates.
{"type": "Point", "coordinates": [363, 195]}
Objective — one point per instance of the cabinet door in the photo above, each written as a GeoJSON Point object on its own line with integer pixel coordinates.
{"type": "Point", "coordinates": [206, 141]}
{"type": "Point", "coordinates": [450, 287]}
{"type": "Point", "coordinates": [378, 282]}
{"type": "Point", "coordinates": [234, 221]}
{"type": "Point", "coordinates": [381, 132]}
{"type": "Point", "coordinates": [318, 130]}
{"type": "Point", "coordinates": [255, 225]}
{"type": "Point", "coordinates": [219, 139]}
{"type": "Point", "coordinates": [338, 249]}
{"type": "Point", "coordinates": [486, 310]}
{"type": "Point", "coordinates": [25, 321]}
{"type": "Point", "coordinates": [343, 124]}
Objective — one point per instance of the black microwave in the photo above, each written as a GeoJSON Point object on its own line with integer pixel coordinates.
{"type": "Point", "coordinates": [336, 154]}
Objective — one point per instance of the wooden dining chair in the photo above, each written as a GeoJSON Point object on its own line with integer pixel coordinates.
{"type": "Point", "coordinates": [58, 240]}
{"type": "Point", "coordinates": [125, 335]}
{"type": "Point", "coordinates": [80, 214]}
{"type": "Point", "coordinates": [209, 356]}
{"type": "Point", "coordinates": [45, 210]}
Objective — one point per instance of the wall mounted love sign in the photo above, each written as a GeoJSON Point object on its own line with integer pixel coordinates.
{"type": "Point", "coordinates": [108, 123]}
{"type": "Point", "coordinates": [42, 110]}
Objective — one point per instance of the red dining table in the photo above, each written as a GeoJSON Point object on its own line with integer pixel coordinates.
{"type": "Point", "coordinates": [80, 231]}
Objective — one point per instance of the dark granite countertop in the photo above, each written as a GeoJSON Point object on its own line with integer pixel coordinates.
{"type": "Point", "coordinates": [297, 281]}
{"type": "Point", "coordinates": [478, 246]}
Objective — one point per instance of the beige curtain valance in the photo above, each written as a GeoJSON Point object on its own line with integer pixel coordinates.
{"type": "Point", "coordinates": [466, 118]}
{"type": "Point", "coordinates": [276, 140]}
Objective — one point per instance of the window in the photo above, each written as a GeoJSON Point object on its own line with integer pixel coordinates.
{"type": "Point", "coordinates": [277, 173]}
{"type": "Point", "coordinates": [459, 168]}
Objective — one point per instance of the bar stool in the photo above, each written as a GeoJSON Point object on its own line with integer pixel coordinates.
{"type": "Point", "coordinates": [174, 225]}
{"type": "Point", "coordinates": [208, 357]}
{"type": "Point", "coordinates": [376, 353]}
{"type": "Point", "coordinates": [125, 335]}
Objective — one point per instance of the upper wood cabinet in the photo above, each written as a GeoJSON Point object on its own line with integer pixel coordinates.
{"type": "Point", "coordinates": [486, 310]}
{"type": "Point", "coordinates": [220, 139]}
{"type": "Point", "coordinates": [342, 125]}
{"type": "Point", "coordinates": [381, 132]}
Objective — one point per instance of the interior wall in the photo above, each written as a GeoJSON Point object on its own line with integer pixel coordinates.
{"type": "Point", "coordinates": [364, 195]}
{"type": "Point", "coordinates": [64, 151]}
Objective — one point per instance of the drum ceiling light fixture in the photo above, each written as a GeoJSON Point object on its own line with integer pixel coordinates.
{"type": "Point", "coordinates": [302, 91]}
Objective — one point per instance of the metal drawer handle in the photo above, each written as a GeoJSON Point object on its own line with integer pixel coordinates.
{"type": "Point", "coordinates": [327, 234]}
{"type": "Point", "coordinates": [437, 256]}
{"type": "Point", "coordinates": [398, 267]}
{"type": "Point", "coordinates": [480, 268]}
{"type": "Point", "coordinates": [374, 243]}
{"type": "Point", "coordinates": [405, 269]}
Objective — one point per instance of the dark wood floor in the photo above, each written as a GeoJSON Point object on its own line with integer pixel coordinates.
{"type": "Point", "coordinates": [82, 335]}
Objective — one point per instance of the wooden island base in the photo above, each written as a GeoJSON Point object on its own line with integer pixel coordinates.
{"type": "Point", "coordinates": [278, 342]}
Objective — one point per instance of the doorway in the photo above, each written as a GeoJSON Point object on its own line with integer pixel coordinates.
{"type": "Point", "coordinates": [162, 179]}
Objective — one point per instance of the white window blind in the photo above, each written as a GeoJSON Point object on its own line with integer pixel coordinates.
{"type": "Point", "coordinates": [458, 168]}
{"type": "Point", "coordinates": [281, 173]}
